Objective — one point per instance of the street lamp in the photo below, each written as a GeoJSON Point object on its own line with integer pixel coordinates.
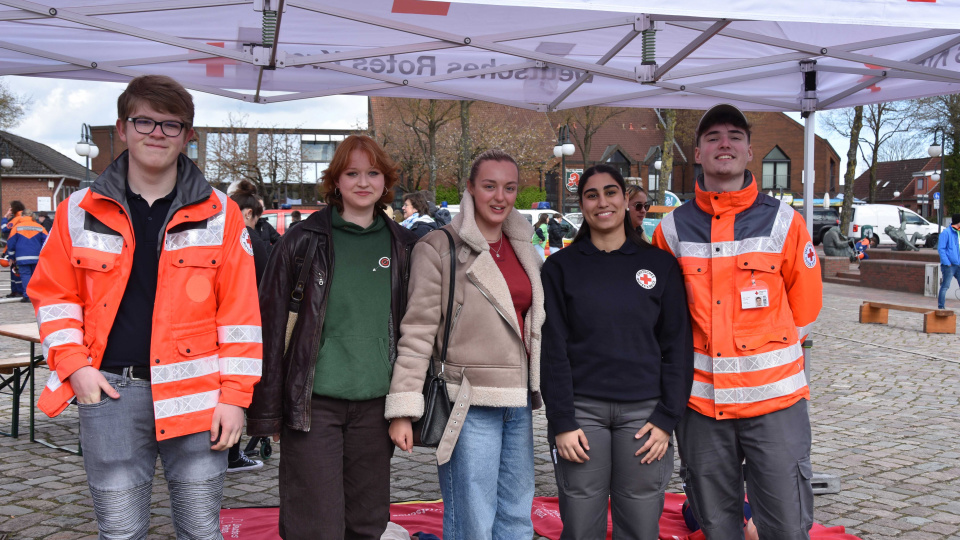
{"type": "Point", "coordinates": [563, 149]}
{"type": "Point", "coordinates": [5, 163]}
{"type": "Point", "coordinates": [86, 148]}
{"type": "Point", "coordinates": [936, 150]}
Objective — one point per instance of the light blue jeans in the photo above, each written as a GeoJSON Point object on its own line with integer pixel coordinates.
{"type": "Point", "coordinates": [487, 485]}
{"type": "Point", "coordinates": [120, 451]}
{"type": "Point", "coordinates": [947, 274]}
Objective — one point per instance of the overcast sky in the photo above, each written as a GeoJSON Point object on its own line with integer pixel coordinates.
{"type": "Point", "coordinates": [59, 107]}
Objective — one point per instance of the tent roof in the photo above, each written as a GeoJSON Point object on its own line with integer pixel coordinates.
{"type": "Point", "coordinates": [541, 55]}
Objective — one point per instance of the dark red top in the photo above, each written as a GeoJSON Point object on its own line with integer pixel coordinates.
{"type": "Point", "coordinates": [517, 280]}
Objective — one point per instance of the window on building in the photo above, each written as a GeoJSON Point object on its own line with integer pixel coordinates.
{"type": "Point", "coordinates": [619, 162]}
{"type": "Point", "coordinates": [776, 170]}
{"type": "Point", "coordinates": [919, 184]}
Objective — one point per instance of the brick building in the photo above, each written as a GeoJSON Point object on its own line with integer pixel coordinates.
{"type": "Point", "coordinates": [906, 183]}
{"type": "Point", "coordinates": [40, 178]}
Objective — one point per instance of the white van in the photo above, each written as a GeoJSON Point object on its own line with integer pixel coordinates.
{"type": "Point", "coordinates": [879, 216]}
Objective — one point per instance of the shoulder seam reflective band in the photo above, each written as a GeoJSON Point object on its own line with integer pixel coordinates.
{"type": "Point", "coordinates": [35, 229]}
{"type": "Point", "coordinates": [762, 244]}
{"type": "Point", "coordinates": [79, 237]}
{"type": "Point", "coordinates": [668, 227]}
{"type": "Point", "coordinates": [236, 365]}
{"type": "Point", "coordinates": [62, 337]}
{"type": "Point", "coordinates": [184, 370]}
{"type": "Point", "coordinates": [165, 408]}
{"type": "Point", "coordinates": [212, 235]}
{"type": "Point", "coordinates": [56, 312]}
{"type": "Point", "coordinates": [750, 394]}
{"type": "Point", "coordinates": [27, 259]}
{"type": "Point", "coordinates": [239, 334]}
{"type": "Point", "coordinates": [746, 364]}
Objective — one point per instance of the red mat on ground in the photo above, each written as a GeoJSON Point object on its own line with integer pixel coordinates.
{"type": "Point", "coordinates": [261, 523]}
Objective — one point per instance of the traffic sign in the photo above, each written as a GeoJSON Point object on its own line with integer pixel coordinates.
{"type": "Point", "coordinates": [936, 195]}
{"type": "Point", "coordinates": [936, 203]}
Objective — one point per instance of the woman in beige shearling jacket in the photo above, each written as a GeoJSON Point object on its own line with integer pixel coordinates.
{"type": "Point", "coordinates": [485, 464]}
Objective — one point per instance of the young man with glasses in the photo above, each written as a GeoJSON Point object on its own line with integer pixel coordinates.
{"type": "Point", "coordinates": [147, 304]}
{"type": "Point", "coordinates": [754, 289]}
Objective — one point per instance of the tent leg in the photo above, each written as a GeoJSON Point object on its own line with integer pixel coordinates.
{"type": "Point", "coordinates": [808, 174]}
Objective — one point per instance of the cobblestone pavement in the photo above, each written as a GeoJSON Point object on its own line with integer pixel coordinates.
{"type": "Point", "coordinates": [884, 413]}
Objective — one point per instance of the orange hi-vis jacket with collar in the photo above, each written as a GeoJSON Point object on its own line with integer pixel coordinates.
{"type": "Point", "coordinates": [747, 361]}
{"type": "Point", "coordinates": [205, 346]}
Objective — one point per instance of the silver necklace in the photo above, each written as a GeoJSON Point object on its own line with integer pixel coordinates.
{"type": "Point", "coordinates": [496, 252]}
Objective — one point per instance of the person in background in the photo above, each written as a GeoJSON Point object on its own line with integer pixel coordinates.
{"type": "Point", "coordinates": [638, 204]}
{"type": "Point", "coordinates": [442, 215]}
{"type": "Point", "coordinates": [617, 367]}
{"type": "Point", "coordinates": [45, 221]}
{"type": "Point", "coordinates": [540, 232]}
{"type": "Point", "coordinates": [416, 214]}
{"type": "Point", "coordinates": [948, 246]}
{"type": "Point", "coordinates": [295, 218]}
{"type": "Point", "coordinates": [324, 394]}
{"type": "Point", "coordinates": [486, 470]}
{"type": "Point", "coordinates": [266, 231]}
{"type": "Point", "coordinates": [244, 193]}
{"type": "Point", "coordinates": [145, 296]}
{"type": "Point", "coordinates": [754, 290]}
{"type": "Point", "coordinates": [13, 213]}
{"type": "Point", "coordinates": [23, 247]}
{"type": "Point", "coordinates": [557, 229]}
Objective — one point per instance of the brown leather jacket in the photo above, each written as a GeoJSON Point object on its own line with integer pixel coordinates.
{"type": "Point", "coordinates": [286, 386]}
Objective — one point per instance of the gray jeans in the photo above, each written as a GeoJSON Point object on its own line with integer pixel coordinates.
{"type": "Point", "coordinates": [635, 491]}
{"type": "Point", "coordinates": [120, 450]}
{"type": "Point", "coordinates": [776, 448]}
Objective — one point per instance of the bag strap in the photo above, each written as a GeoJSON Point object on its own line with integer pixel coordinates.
{"type": "Point", "coordinates": [296, 295]}
{"type": "Point", "coordinates": [453, 282]}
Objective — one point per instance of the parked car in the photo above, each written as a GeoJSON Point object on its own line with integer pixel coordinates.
{"type": "Point", "coordinates": [879, 216]}
{"type": "Point", "coordinates": [823, 219]}
{"type": "Point", "coordinates": [281, 219]}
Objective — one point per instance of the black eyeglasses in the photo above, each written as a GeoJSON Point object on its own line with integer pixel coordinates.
{"type": "Point", "coordinates": [145, 126]}
{"type": "Point", "coordinates": [645, 206]}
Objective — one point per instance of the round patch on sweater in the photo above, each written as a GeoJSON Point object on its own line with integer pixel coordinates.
{"type": "Point", "coordinates": [809, 255]}
{"type": "Point", "coordinates": [646, 279]}
{"type": "Point", "coordinates": [198, 288]}
{"type": "Point", "coordinates": [245, 242]}
{"type": "Point", "coordinates": [384, 262]}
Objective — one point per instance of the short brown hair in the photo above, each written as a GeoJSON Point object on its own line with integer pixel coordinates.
{"type": "Point", "coordinates": [341, 161]}
{"type": "Point", "coordinates": [159, 92]}
{"type": "Point", "coordinates": [493, 154]}
{"type": "Point", "coordinates": [419, 202]}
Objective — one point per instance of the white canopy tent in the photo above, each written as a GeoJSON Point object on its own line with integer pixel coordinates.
{"type": "Point", "coordinates": [541, 55]}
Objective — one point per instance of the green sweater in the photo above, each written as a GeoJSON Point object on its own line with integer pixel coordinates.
{"type": "Point", "coordinates": [353, 362]}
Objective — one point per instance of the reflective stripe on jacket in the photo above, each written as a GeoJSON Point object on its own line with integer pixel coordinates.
{"type": "Point", "coordinates": [205, 345]}
{"type": "Point", "coordinates": [748, 362]}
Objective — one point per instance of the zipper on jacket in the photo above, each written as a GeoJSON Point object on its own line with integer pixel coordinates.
{"type": "Point", "coordinates": [456, 316]}
{"type": "Point", "coordinates": [523, 349]}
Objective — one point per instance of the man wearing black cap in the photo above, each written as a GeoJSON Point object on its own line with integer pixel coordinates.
{"type": "Point", "coordinates": [753, 288]}
{"type": "Point", "coordinates": [949, 249]}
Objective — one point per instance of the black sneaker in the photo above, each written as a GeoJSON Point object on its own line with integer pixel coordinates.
{"type": "Point", "coordinates": [13, 295]}
{"type": "Point", "coordinates": [243, 463]}
{"type": "Point", "coordinates": [24, 300]}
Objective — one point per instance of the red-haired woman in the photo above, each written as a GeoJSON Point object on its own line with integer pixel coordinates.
{"type": "Point", "coordinates": [324, 394]}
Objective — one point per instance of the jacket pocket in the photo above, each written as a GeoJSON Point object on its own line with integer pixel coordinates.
{"type": "Point", "coordinates": [353, 367]}
{"type": "Point", "coordinates": [204, 344]}
{"type": "Point", "coordinates": [748, 342]}
{"type": "Point", "coordinates": [197, 257]}
{"type": "Point", "coordinates": [103, 263]}
{"type": "Point", "coordinates": [696, 279]}
{"type": "Point", "coordinates": [761, 271]}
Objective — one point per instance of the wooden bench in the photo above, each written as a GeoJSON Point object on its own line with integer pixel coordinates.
{"type": "Point", "coordinates": [935, 321]}
{"type": "Point", "coordinates": [14, 374]}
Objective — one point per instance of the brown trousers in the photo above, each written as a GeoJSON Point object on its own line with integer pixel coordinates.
{"type": "Point", "coordinates": [335, 478]}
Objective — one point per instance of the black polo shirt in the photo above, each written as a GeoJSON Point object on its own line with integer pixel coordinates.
{"type": "Point", "coordinates": [129, 340]}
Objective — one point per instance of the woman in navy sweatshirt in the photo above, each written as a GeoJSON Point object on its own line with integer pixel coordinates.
{"type": "Point", "coordinates": [617, 367]}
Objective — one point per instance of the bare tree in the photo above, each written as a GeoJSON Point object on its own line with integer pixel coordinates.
{"type": "Point", "coordinates": [942, 113]}
{"type": "Point", "coordinates": [465, 145]}
{"type": "Point", "coordinates": [881, 122]}
{"type": "Point", "coordinates": [268, 157]}
{"type": "Point", "coordinates": [856, 124]}
{"type": "Point", "coordinates": [12, 107]}
{"type": "Point", "coordinates": [425, 118]}
{"type": "Point", "coordinates": [904, 146]}
{"type": "Point", "coordinates": [669, 133]}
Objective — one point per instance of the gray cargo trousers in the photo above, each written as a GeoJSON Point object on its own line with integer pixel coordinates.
{"type": "Point", "coordinates": [776, 448]}
{"type": "Point", "coordinates": [635, 491]}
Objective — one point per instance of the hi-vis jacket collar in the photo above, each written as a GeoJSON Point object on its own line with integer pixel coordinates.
{"type": "Point", "coordinates": [716, 203]}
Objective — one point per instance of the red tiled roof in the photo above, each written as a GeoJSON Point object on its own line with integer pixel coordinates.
{"type": "Point", "coordinates": [894, 176]}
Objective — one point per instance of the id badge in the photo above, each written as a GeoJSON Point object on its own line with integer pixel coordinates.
{"type": "Point", "coordinates": [755, 296]}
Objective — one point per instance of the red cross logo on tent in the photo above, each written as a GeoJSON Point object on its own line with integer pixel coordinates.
{"type": "Point", "coordinates": [872, 87]}
{"type": "Point", "coordinates": [215, 65]}
{"type": "Point", "coordinates": [646, 279]}
{"type": "Point", "coordinates": [573, 181]}
{"type": "Point", "coordinates": [809, 255]}
{"type": "Point", "coordinates": [421, 7]}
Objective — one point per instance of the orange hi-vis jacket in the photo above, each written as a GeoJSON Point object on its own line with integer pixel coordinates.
{"type": "Point", "coordinates": [747, 362]}
{"type": "Point", "coordinates": [205, 346]}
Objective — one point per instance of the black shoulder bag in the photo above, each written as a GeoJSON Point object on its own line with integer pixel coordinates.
{"type": "Point", "coordinates": [428, 430]}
